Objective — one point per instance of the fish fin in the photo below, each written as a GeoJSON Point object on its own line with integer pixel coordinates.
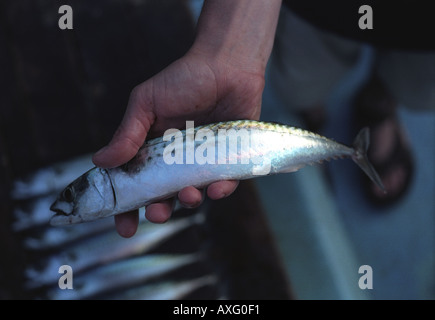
{"type": "Point", "coordinates": [293, 168]}
{"type": "Point", "coordinates": [361, 145]}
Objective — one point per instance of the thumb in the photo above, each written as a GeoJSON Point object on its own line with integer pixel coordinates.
{"type": "Point", "coordinates": [128, 138]}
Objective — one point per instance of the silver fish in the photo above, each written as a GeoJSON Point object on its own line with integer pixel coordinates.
{"type": "Point", "coordinates": [171, 290]}
{"type": "Point", "coordinates": [50, 179]}
{"type": "Point", "coordinates": [121, 274]}
{"type": "Point", "coordinates": [32, 213]}
{"type": "Point", "coordinates": [50, 238]}
{"type": "Point", "coordinates": [106, 248]}
{"type": "Point", "coordinates": [271, 148]}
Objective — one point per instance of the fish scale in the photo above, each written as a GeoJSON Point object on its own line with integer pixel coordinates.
{"type": "Point", "coordinates": [240, 149]}
{"type": "Point", "coordinates": [243, 124]}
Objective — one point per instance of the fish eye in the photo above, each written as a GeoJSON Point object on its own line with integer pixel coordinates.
{"type": "Point", "coordinates": [68, 194]}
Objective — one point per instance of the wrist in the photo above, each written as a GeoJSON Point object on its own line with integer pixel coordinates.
{"type": "Point", "coordinates": [238, 33]}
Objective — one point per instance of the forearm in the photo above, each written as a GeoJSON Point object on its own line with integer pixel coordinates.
{"type": "Point", "coordinates": [241, 32]}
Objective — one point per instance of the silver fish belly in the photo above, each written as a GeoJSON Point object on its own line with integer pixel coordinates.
{"type": "Point", "coordinates": [200, 157]}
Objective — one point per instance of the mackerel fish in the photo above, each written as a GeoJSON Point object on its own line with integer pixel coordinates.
{"type": "Point", "coordinates": [232, 150]}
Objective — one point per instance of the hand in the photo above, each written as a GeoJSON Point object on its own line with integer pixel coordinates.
{"type": "Point", "coordinates": [220, 78]}
{"type": "Point", "coordinates": [200, 87]}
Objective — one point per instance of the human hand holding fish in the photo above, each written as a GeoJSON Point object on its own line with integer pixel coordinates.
{"type": "Point", "coordinates": [150, 111]}
{"type": "Point", "coordinates": [215, 81]}
{"type": "Point", "coordinates": [220, 78]}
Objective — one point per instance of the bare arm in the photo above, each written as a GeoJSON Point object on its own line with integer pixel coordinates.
{"type": "Point", "coordinates": [241, 32]}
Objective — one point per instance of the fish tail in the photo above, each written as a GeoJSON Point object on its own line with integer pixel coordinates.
{"type": "Point", "coordinates": [361, 145]}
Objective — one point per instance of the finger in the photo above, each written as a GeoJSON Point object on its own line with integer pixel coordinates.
{"type": "Point", "coordinates": [126, 223]}
{"type": "Point", "coordinates": [160, 212]}
{"type": "Point", "coordinates": [190, 197]}
{"type": "Point", "coordinates": [221, 189]}
{"type": "Point", "coordinates": [129, 136]}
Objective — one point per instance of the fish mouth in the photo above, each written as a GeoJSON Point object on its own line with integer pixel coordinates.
{"type": "Point", "coordinates": [57, 210]}
{"type": "Point", "coordinates": [62, 208]}
{"type": "Point", "coordinates": [60, 219]}
{"type": "Point", "coordinates": [63, 214]}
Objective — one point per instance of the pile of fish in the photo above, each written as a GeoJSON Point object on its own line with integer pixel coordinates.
{"type": "Point", "coordinates": [104, 265]}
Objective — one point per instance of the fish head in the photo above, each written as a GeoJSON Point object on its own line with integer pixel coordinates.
{"type": "Point", "coordinates": [87, 198]}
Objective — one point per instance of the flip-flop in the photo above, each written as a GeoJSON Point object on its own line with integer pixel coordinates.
{"type": "Point", "coordinates": [374, 107]}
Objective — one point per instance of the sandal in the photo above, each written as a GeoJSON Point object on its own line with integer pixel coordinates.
{"type": "Point", "coordinates": [375, 108]}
